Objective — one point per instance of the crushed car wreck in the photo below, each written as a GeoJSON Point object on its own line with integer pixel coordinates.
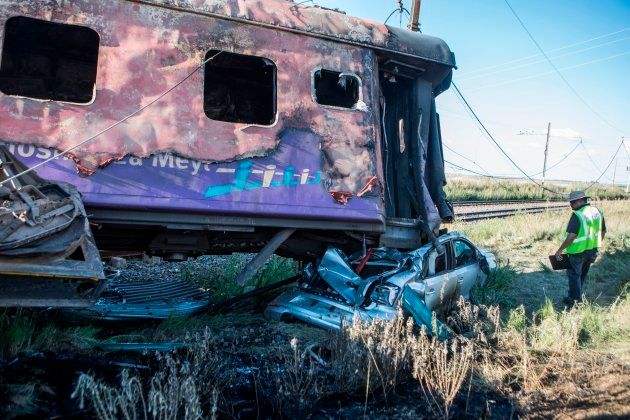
{"type": "Point", "coordinates": [372, 284]}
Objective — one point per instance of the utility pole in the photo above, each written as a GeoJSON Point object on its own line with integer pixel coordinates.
{"type": "Point", "coordinates": [615, 171]}
{"type": "Point", "coordinates": [623, 142]}
{"type": "Point", "coordinates": [546, 152]}
{"type": "Point", "coordinates": [414, 16]}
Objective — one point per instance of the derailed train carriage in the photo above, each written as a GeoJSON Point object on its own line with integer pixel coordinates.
{"type": "Point", "coordinates": [266, 126]}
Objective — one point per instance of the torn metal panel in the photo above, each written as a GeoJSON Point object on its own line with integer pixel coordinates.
{"type": "Point", "coordinates": [339, 275]}
{"type": "Point", "coordinates": [128, 301]}
{"type": "Point", "coordinates": [332, 292]}
{"type": "Point", "coordinates": [47, 252]}
{"type": "Point", "coordinates": [413, 303]}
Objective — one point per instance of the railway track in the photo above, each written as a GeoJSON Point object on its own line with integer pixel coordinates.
{"type": "Point", "coordinates": [469, 203]}
{"type": "Point", "coordinates": [470, 211]}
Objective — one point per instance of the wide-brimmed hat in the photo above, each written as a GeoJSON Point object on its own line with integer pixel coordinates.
{"type": "Point", "coordinates": [576, 195]}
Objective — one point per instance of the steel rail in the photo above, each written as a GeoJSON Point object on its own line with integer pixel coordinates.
{"type": "Point", "coordinates": [501, 213]}
{"type": "Point", "coordinates": [501, 202]}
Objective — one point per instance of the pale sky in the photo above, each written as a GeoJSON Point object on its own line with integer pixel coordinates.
{"type": "Point", "coordinates": [514, 89]}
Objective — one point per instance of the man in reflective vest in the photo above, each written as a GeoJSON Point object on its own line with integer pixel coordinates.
{"type": "Point", "coordinates": [585, 233]}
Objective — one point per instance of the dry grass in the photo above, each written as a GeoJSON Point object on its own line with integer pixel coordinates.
{"type": "Point", "coordinates": [461, 188]}
{"type": "Point", "coordinates": [297, 385]}
{"type": "Point", "coordinates": [183, 387]}
{"type": "Point", "coordinates": [545, 359]}
{"type": "Point", "coordinates": [523, 243]}
{"type": "Point", "coordinates": [536, 361]}
{"type": "Point", "coordinates": [371, 357]}
{"type": "Point", "coordinates": [441, 369]}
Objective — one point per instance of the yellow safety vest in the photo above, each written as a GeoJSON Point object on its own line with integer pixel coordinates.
{"type": "Point", "coordinates": [590, 233]}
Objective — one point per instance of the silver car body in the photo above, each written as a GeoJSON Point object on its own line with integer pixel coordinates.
{"type": "Point", "coordinates": [332, 292]}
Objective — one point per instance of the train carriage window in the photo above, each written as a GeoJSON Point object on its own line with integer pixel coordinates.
{"type": "Point", "coordinates": [47, 60]}
{"type": "Point", "coordinates": [336, 89]}
{"type": "Point", "coordinates": [239, 88]}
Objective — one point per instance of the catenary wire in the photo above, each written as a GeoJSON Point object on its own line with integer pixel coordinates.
{"type": "Point", "coordinates": [117, 123]}
{"type": "Point", "coordinates": [607, 166]}
{"type": "Point", "coordinates": [474, 172]}
{"type": "Point", "coordinates": [464, 157]}
{"type": "Point", "coordinates": [517, 60]}
{"type": "Point", "coordinates": [531, 63]}
{"type": "Point", "coordinates": [491, 137]}
{"type": "Point", "coordinates": [494, 178]}
{"type": "Point", "coordinates": [625, 148]}
{"type": "Point", "coordinates": [566, 82]}
{"type": "Point", "coordinates": [561, 160]}
{"type": "Point", "coordinates": [534, 76]}
{"type": "Point", "coordinates": [595, 165]}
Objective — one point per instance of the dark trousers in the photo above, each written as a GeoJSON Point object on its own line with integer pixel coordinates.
{"type": "Point", "coordinates": [580, 264]}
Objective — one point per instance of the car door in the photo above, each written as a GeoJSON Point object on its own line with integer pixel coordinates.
{"type": "Point", "coordinates": [465, 266]}
{"type": "Point", "coordinates": [437, 278]}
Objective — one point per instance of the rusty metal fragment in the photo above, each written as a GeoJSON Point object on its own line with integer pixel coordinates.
{"type": "Point", "coordinates": [47, 253]}
{"type": "Point", "coordinates": [341, 197]}
{"type": "Point", "coordinates": [368, 187]}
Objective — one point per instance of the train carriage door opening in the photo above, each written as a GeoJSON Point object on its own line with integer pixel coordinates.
{"type": "Point", "coordinates": [413, 165]}
{"type": "Point", "coordinates": [396, 104]}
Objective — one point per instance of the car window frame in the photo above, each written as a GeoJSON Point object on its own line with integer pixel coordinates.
{"type": "Point", "coordinates": [448, 256]}
{"type": "Point", "coordinates": [454, 257]}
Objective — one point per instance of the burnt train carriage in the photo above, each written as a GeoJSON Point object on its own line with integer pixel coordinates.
{"type": "Point", "coordinates": [299, 118]}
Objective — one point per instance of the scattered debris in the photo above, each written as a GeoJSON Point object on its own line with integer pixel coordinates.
{"type": "Point", "coordinates": [126, 301]}
{"type": "Point", "coordinates": [151, 259]}
{"type": "Point", "coordinates": [341, 197]}
{"type": "Point", "coordinates": [117, 262]}
{"type": "Point", "coordinates": [47, 252]}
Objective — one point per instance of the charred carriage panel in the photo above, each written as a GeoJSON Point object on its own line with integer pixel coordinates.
{"type": "Point", "coordinates": [146, 49]}
{"type": "Point", "coordinates": [242, 141]}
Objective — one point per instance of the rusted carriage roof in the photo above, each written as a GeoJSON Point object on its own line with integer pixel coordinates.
{"type": "Point", "coordinates": [318, 21]}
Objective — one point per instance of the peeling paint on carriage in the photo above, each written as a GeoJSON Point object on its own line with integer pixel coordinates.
{"type": "Point", "coordinates": [145, 49]}
{"type": "Point", "coordinates": [146, 46]}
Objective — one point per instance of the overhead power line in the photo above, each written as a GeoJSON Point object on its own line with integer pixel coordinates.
{"type": "Point", "coordinates": [595, 165]}
{"type": "Point", "coordinates": [566, 82]}
{"type": "Point", "coordinates": [561, 160]}
{"type": "Point", "coordinates": [533, 76]}
{"type": "Point", "coordinates": [494, 178]}
{"type": "Point", "coordinates": [612, 159]}
{"type": "Point", "coordinates": [623, 139]}
{"type": "Point", "coordinates": [518, 60]}
{"type": "Point", "coordinates": [496, 143]}
{"type": "Point", "coordinates": [465, 157]}
{"type": "Point", "coordinates": [531, 63]}
{"type": "Point", "coordinates": [456, 166]}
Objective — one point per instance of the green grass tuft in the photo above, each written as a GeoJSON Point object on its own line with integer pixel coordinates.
{"type": "Point", "coordinates": [219, 281]}
{"type": "Point", "coordinates": [495, 290]}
